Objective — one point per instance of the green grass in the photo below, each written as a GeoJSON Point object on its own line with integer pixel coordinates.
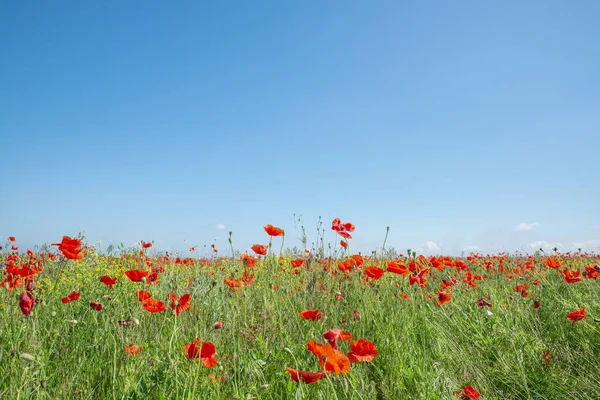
{"type": "Point", "coordinates": [425, 351]}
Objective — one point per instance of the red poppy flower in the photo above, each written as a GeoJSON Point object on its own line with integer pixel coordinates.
{"type": "Point", "coordinates": [233, 283]}
{"type": "Point", "coordinates": [333, 335]}
{"type": "Point", "coordinates": [12, 239]}
{"type": "Point", "coordinates": [337, 226]}
{"type": "Point", "coordinates": [179, 304]}
{"type": "Point", "coordinates": [572, 276]}
{"type": "Point", "coordinates": [71, 297]}
{"type": "Point", "coordinates": [329, 358]}
{"type": "Point", "coordinates": [260, 249]}
{"type": "Point", "coordinates": [306, 377]}
{"type": "Point", "coordinates": [136, 275]}
{"type": "Point", "coordinates": [70, 248]}
{"type": "Point", "coordinates": [108, 281]}
{"type": "Point", "coordinates": [297, 263]}
{"type": "Point", "coordinates": [536, 304]}
{"type": "Point", "coordinates": [95, 306]}
{"type": "Point", "coordinates": [14, 248]}
{"type": "Point", "coordinates": [26, 302]}
{"type": "Point", "coordinates": [552, 263]}
{"type": "Point", "coordinates": [362, 350]}
{"type": "Point", "coordinates": [443, 298]}
{"type": "Point", "coordinates": [343, 243]}
{"type": "Point", "coordinates": [374, 272]}
{"type": "Point", "coordinates": [152, 278]}
{"type": "Point", "coordinates": [274, 231]}
{"type": "Point", "coordinates": [396, 268]}
{"type": "Point", "coordinates": [483, 303]}
{"type": "Point", "coordinates": [313, 315]}
{"type": "Point", "coordinates": [154, 305]}
{"type": "Point", "coordinates": [146, 245]}
{"type": "Point", "coordinates": [249, 261]}
{"type": "Point", "coordinates": [576, 315]}
{"type": "Point", "coordinates": [207, 352]}
{"type": "Point", "coordinates": [218, 325]}
{"type": "Point", "coordinates": [143, 295]}
{"type": "Point", "coordinates": [470, 393]}
{"type": "Point", "coordinates": [133, 349]}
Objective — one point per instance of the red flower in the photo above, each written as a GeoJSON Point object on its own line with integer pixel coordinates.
{"type": "Point", "coordinates": [108, 281]}
{"type": "Point", "coordinates": [306, 377]}
{"type": "Point", "coordinates": [483, 303]}
{"type": "Point", "coordinates": [152, 278]}
{"type": "Point", "coordinates": [396, 268]}
{"type": "Point", "coordinates": [133, 349]}
{"type": "Point", "coordinates": [146, 245]}
{"type": "Point", "coordinates": [471, 393]}
{"type": "Point", "coordinates": [207, 352]}
{"type": "Point", "coordinates": [374, 272]}
{"type": "Point", "coordinates": [576, 315]}
{"type": "Point", "coordinates": [12, 239]}
{"type": "Point", "coordinates": [71, 297]}
{"type": "Point", "coordinates": [179, 304]}
{"type": "Point", "coordinates": [274, 231]}
{"type": "Point", "coordinates": [260, 249]}
{"type": "Point", "coordinates": [333, 335]}
{"type": "Point", "coordinates": [143, 295]}
{"type": "Point", "coordinates": [536, 304]}
{"type": "Point", "coordinates": [443, 298]}
{"type": "Point", "coordinates": [313, 315]}
{"type": "Point", "coordinates": [330, 359]}
{"type": "Point", "coordinates": [297, 263]}
{"type": "Point", "coordinates": [26, 302]}
{"type": "Point", "coordinates": [71, 248]}
{"type": "Point", "coordinates": [154, 305]}
{"type": "Point", "coordinates": [95, 306]}
{"type": "Point", "coordinates": [362, 350]}
{"type": "Point", "coordinates": [218, 325]}
{"type": "Point", "coordinates": [572, 277]}
{"type": "Point", "coordinates": [136, 275]}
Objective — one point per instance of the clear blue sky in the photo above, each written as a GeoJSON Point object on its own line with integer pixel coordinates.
{"type": "Point", "coordinates": [450, 122]}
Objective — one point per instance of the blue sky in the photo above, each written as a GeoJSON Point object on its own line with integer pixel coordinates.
{"type": "Point", "coordinates": [460, 125]}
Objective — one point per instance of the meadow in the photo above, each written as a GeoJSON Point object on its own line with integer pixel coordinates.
{"type": "Point", "coordinates": [77, 322]}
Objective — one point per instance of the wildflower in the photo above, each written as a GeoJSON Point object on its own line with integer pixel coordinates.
{"type": "Point", "coordinates": [470, 393]}
{"type": "Point", "coordinates": [108, 281]}
{"type": "Point", "coordinates": [26, 302]}
{"type": "Point", "coordinates": [362, 351]}
{"type": "Point", "coordinates": [70, 248]}
{"type": "Point", "coordinates": [207, 352]}
{"type": "Point", "coordinates": [153, 305]}
{"type": "Point", "coordinates": [136, 275]}
{"type": "Point", "coordinates": [333, 335]}
{"type": "Point", "coordinates": [260, 249]}
{"type": "Point", "coordinates": [146, 245]}
{"type": "Point", "coordinates": [133, 349]}
{"type": "Point", "coordinates": [71, 297]}
{"type": "Point", "coordinates": [576, 315]}
{"type": "Point", "coordinates": [179, 304]}
{"type": "Point", "coordinates": [95, 306]}
{"type": "Point", "coordinates": [374, 272]}
{"type": "Point", "coordinates": [313, 315]}
{"type": "Point", "coordinates": [443, 298]}
{"type": "Point", "coordinates": [306, 377]}
{"type": "Point", "coordinates": [274, 231]}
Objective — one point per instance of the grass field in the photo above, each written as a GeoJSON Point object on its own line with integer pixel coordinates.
{"type": "Point", "coordinates": [495, 326]}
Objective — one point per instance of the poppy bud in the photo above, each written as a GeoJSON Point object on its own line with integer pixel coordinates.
{"type": "Point", "coordinates": [26, 302]}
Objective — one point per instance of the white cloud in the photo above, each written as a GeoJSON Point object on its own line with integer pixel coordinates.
{"type": "Point", "coordinates": [221, 227]}
{"type": "Point", "coordinates": [429, 247]}
{"type": "Point", "coordinates": [472, 249]}
{"type": "Point", "coordinates": [588, 245]}
{"type": "Point", "coordinates": [542, 244]}
{"type": "Point", "coordinates": [524, 226]}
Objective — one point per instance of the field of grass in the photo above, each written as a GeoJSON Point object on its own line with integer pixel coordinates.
{"type": "Point", "coordinates": [502, 326]}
